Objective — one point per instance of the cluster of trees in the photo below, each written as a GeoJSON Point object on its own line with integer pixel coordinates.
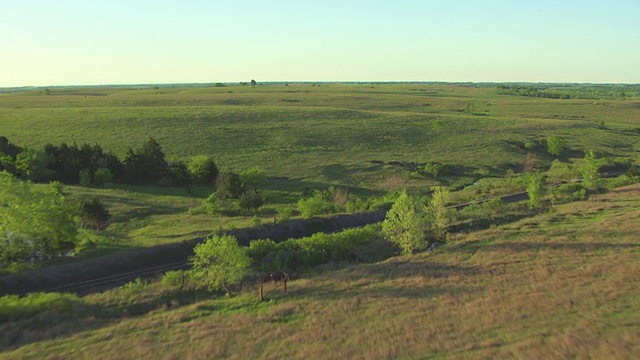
{"type": "Point", "coordinates": [414, 225]}
{"type": "Point", "coordinates": [242, 187]}
{"type": "Point", "coordinates": [220, 262]}
{"type": "Point", "coordinates": [91, 165]}
{"type": "Point", "coordinates": [593, 92]}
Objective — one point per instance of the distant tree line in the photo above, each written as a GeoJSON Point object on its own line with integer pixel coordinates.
{"type": "Point", "coordinates": [90, 165]}
{"type": "Point", "coordinates": [593, 92]}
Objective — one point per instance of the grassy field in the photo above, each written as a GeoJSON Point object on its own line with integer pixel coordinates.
{"type": "Point", "coordinates": [367, 137]}
{"type": "Point", "coordinates": [562, 284]}
{"type": "Point", "coordinates": [323, 134]}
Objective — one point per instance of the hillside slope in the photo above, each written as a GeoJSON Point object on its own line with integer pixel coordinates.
{"type": "Point", "coordinates": [562, 284]}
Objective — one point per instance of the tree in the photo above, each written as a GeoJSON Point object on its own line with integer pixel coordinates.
{"type": "Point", "coordinates": [589, 171]}
{"type": "Point", "coordinates": [229, 185]}
{"type": "Point", "coordinates": [438, 211]}
{"type": "Point", "coordinates": [34, 221]}
{"type": "Point", "coordinates": [555, 145]}
{"type": "Point", "coordinates": [219, 263]}
{"type": "Point", "coordinates": [253, 82]}
{"type": "Point", "coordinates": [405, 224]}
{"type": "Point", "coordinates": [33, 165]}
{"type": "Point", "coordinates": [535, 189]}
{"type": "Point", "coordinates": [203, 169]}
{"type": "Point", "coordinates": [179, 174]}
{"type": "Point", "coordinates": [253, 178]}
{"type": "Point", "coordinates": [8, 148]}
{"type": "Point", "coordinates": [146, 165]}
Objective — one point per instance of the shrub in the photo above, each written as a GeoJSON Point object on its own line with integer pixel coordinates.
{"type": "Point", "coordinates": [179, 174]}
{"type": "Point", "coordinates": [316, 204]}
{"type": "Point", "coordinates": [559, 171]}
{"type": "Point", "coordinates": [555, 145]}
{"type": "Point", "coordinates": [203, 169]}
{"type": "Point", "coordinates": [229, 185]}
{"type": "Point", "coordinates": [251, 201]}
{"type": "Point", "coordinates": [174, 278]}
{"type": "Point", "coordinates": [102, 176]}
{"type": "Point", "coordinates": [13, 307]}
{"type": "Point", "coordinates": [214, 205]}
{"type": "Point", "coordinates": [94, 214]}
{"type": "Point", "coordinates": [568, 193]}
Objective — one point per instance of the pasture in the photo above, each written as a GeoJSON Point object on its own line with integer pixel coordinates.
{"type": "Point", "coordinates": [369, 138]}
{"type": "Point", "coordinates": [560, 284]}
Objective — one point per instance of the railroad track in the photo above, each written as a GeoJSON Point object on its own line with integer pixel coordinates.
{"type": "Point", "coordinates": [107, 282]}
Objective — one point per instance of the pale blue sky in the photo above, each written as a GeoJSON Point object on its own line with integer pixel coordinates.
{"type": "Point", "coordinates": [65, 42]}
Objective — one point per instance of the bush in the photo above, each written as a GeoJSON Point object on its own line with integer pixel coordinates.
{"type": "Point", "coordinates": [229, 185]}
{"type": "Point", "coordinates": [13, 307]}
{"type": "Point", "coordinates": [568, 193]}
{"type": "Point", "coordinates": [214, 205]}
{"type": "Point", "coordinates": [251, 201]}
{"type": "Point", "coordinates": [174, 278]}
{"type": "Point", "coordinates": [179, 174]}
{"type": "Point", "coordinates": [316, 204]}
{"type": "Point", "coordinates": [94, 214]}
{"type": "Point", "coordinates": [102, 176]}
{"type": "Point", "coordinates": [203, 169]}
{"type": "Point", "coordinates": [315, 250]}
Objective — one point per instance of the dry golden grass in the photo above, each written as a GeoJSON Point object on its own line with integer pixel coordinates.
{"type": "Point", "coordinates": [560, 285]}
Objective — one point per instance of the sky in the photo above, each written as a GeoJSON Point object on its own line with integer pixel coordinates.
{"type": "Point", "coordinates": [83, 42]}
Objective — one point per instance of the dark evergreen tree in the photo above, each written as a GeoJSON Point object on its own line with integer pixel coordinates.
{"type": "Point", "coordinates": [146, 165]}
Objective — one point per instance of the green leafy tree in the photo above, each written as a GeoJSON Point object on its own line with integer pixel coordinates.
{"type": "Point", "coordinates": [589, 171]}
{"type": "Point", "coordinates": [440, 215]}
{"type": "Point", "coordinates": [253, 178]}
{"type": "Point", "coordinates": [35, 220]}
{"type": "Point", "coordinates": [555, 145]}
{"type": "Point", "coordinates": [219, 263]}
{"type": "Point", "coordinates": [203, 169]}
{"type": "Point", "coordinates": [405, 224]}
{"type": "Point", "coordinates": [535, 189]}
{"type": "Point", "coordinates": [32, 165]}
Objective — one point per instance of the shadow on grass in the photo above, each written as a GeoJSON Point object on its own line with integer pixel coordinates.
{"type": "Point", "coordinates": [528, 246]}
{"type": "Point", "coordinates": [387, 280]}
{"type": "Point", "coordinates": [69, 314]}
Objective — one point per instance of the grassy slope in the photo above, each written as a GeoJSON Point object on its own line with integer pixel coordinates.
{"type": "Point", "coordinates": [559, 285]}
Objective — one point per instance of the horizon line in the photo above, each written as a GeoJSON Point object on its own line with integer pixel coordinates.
{"type": "Point", "coordinates": [213, 83]}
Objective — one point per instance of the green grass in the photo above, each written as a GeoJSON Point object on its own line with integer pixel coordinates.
{"type": "Point", "coordinates": [561, 284]}
{"type": "Point", "coordinates": [369, 138]}
{"type": "Point", "coordinates": [306, 132]}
